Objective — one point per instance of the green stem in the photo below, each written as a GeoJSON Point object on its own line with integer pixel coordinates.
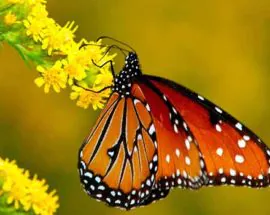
{"type": "Point", "coordinates": [5, 8]}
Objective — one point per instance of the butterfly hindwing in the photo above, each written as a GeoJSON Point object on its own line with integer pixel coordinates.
{"type": "Point", "coordinates": [118, 159]}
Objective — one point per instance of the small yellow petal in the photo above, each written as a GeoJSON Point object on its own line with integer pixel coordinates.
{"type": "Point", "coordinates": [39, 81]}
{"type": "Point", "coordinates": [40, 69]}
{"type": "Point", "coordinates": [47, 88]}
{"type": "Point", "coordinates": [17, 205]}
{"type": "Point", "coordinates": [74, 95]}
{"type": "Point", "coordinates": [9, 200]}
{"type": "Point", "coordinates": [56, 88]}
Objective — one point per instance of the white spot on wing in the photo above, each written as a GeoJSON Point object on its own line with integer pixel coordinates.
{"type": "Point", "coordinates": [200, 97]}
{"type": "Point", "coordinates": [151, 129]}
{"type": "Point", "coordinates": [88, 174]}
{"type": "Point", "coordinates": [168, 158]}
{"type": "Point", "coordinates": [147, 107]}
{"type": "Point", "coordinates": [232, 172]}
{"type": "Point", "coordinates": [218, 109]}
{"type": "Point", "coordinates": [187, 143]}
{"type": "Point", "coordinates": [219, 151]}
{"type": "Point", "coordinates": [260, 177]}
{"type": "Point", "coordinates": [185, 126]}
{"type": "Point", "coordinates": [187, 160]}
{"type": "Point", "coordinates": [175, 129]}
{"type": "Point", "coordinates": [101, 187]}
{"type": "Point", "coordinates": [220, 170]}
{"type": "Point", "coordinates": [218, 128]}
{"type": "Point", "coordinates": [164, 97]}
{"type": "Point", "coordinates": [239, 159]}
{"type": "Point", "coordinates": [111, 153]}
{"type": "Point", "coordinates": [239, 126]}
{"type": "Point", "coordinates": [185, 174]}
{"type": "Point", "coordinates": [246, 137]}
{"type": "Point", "coordinates": [177, 152]}
{"type": "Point", "coordinates": [113, 193]}
{"type": "Point", "coordinates": [98, 179]}
{"type": "Point", "coordinates": [136, 101]}
{"type": "Point", "coordinates": [241, 143]}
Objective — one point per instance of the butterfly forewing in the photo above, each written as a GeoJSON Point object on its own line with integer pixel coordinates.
{"type": "Point", "coordinates": [232, 153]}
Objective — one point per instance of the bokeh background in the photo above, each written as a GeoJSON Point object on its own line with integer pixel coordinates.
{"type": "Point", "coordinates": [218, 48]}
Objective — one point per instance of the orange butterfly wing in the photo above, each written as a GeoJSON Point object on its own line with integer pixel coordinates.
{"type": "Point", "coordinates": [118, 160]}
{"type": "Point", "coordinates": [232, 153]}
{"type": "Point", "coordinates": [154, 135]}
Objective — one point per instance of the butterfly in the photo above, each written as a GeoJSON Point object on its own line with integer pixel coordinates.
{"type": "Point", "coordinates": [155, 135]}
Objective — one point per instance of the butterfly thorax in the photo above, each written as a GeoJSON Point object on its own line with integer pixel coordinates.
{"type": "Point", "coordinates": [131, 70]}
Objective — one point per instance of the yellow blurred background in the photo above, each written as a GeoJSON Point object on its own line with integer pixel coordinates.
{"type": "Point", "coordinates": [220, 49]}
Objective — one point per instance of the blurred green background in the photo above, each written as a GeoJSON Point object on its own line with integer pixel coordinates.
{"type": "Point", "coordinates": [221, 50]}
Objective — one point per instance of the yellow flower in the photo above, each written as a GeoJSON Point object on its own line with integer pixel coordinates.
{"type": "Point", "coordinates": [84, 56]}
{"type": "Point", "coordinates": [48, 43]}
{"type": "Point", "coordinates": [37, 193]}
{"type": "Point", "coordinates": [35, 27]}
{"type": "Point", "coordinates": [24, 193]}
{"type": "Point", "coordinates": [54, 77]}
{"type": "Point", "coordinates": [36, 2]}
{"type": "Point", "coordinates": [94, 51]}
{"type": "Point", "coordinates": [85, 97]}
{"type": "Point", "coordinates": [80, 57]}
{"type": "Point", "coordinates": [15, 1]}
{"type": "Point", "coordinates": [10, 18]}
{"type": "Point", "coordinates": [50, 203]}
{"type": "Point", "coordinates": [58, 39]}
{"type": "Point", "coordinates": [9, 168]}
{"type": "Point", "coordinates": [105, 78]}
{"type": "Point", "coordinates": [17, 194]}
{"type": "Point", "coordinates": [39, 12]}
{"type": "Point", "coordinates": [74, 70]}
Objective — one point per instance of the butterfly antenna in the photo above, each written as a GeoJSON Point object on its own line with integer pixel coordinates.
{"type": "Point", "coordinates": [88, 44]}
{"type": "Point", "coordinates": [108, 49]}
{"type": "Point", "coordinates": [118, 41]}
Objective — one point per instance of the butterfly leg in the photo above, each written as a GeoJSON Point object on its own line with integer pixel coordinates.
{"type": "Point", "coordinates": [101, 66]}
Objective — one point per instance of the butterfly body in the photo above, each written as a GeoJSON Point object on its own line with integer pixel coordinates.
{"type": "Point", "coordinates": [155, 135]}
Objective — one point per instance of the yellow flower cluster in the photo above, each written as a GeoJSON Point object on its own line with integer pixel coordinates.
{"type": "Point", "coordinates": [61, 62]}
{"type": "Point", "coordinates": [24, 193]}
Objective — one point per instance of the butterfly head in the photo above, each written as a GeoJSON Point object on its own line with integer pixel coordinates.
{"type": "Point", "coordinates": [131, 70]}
